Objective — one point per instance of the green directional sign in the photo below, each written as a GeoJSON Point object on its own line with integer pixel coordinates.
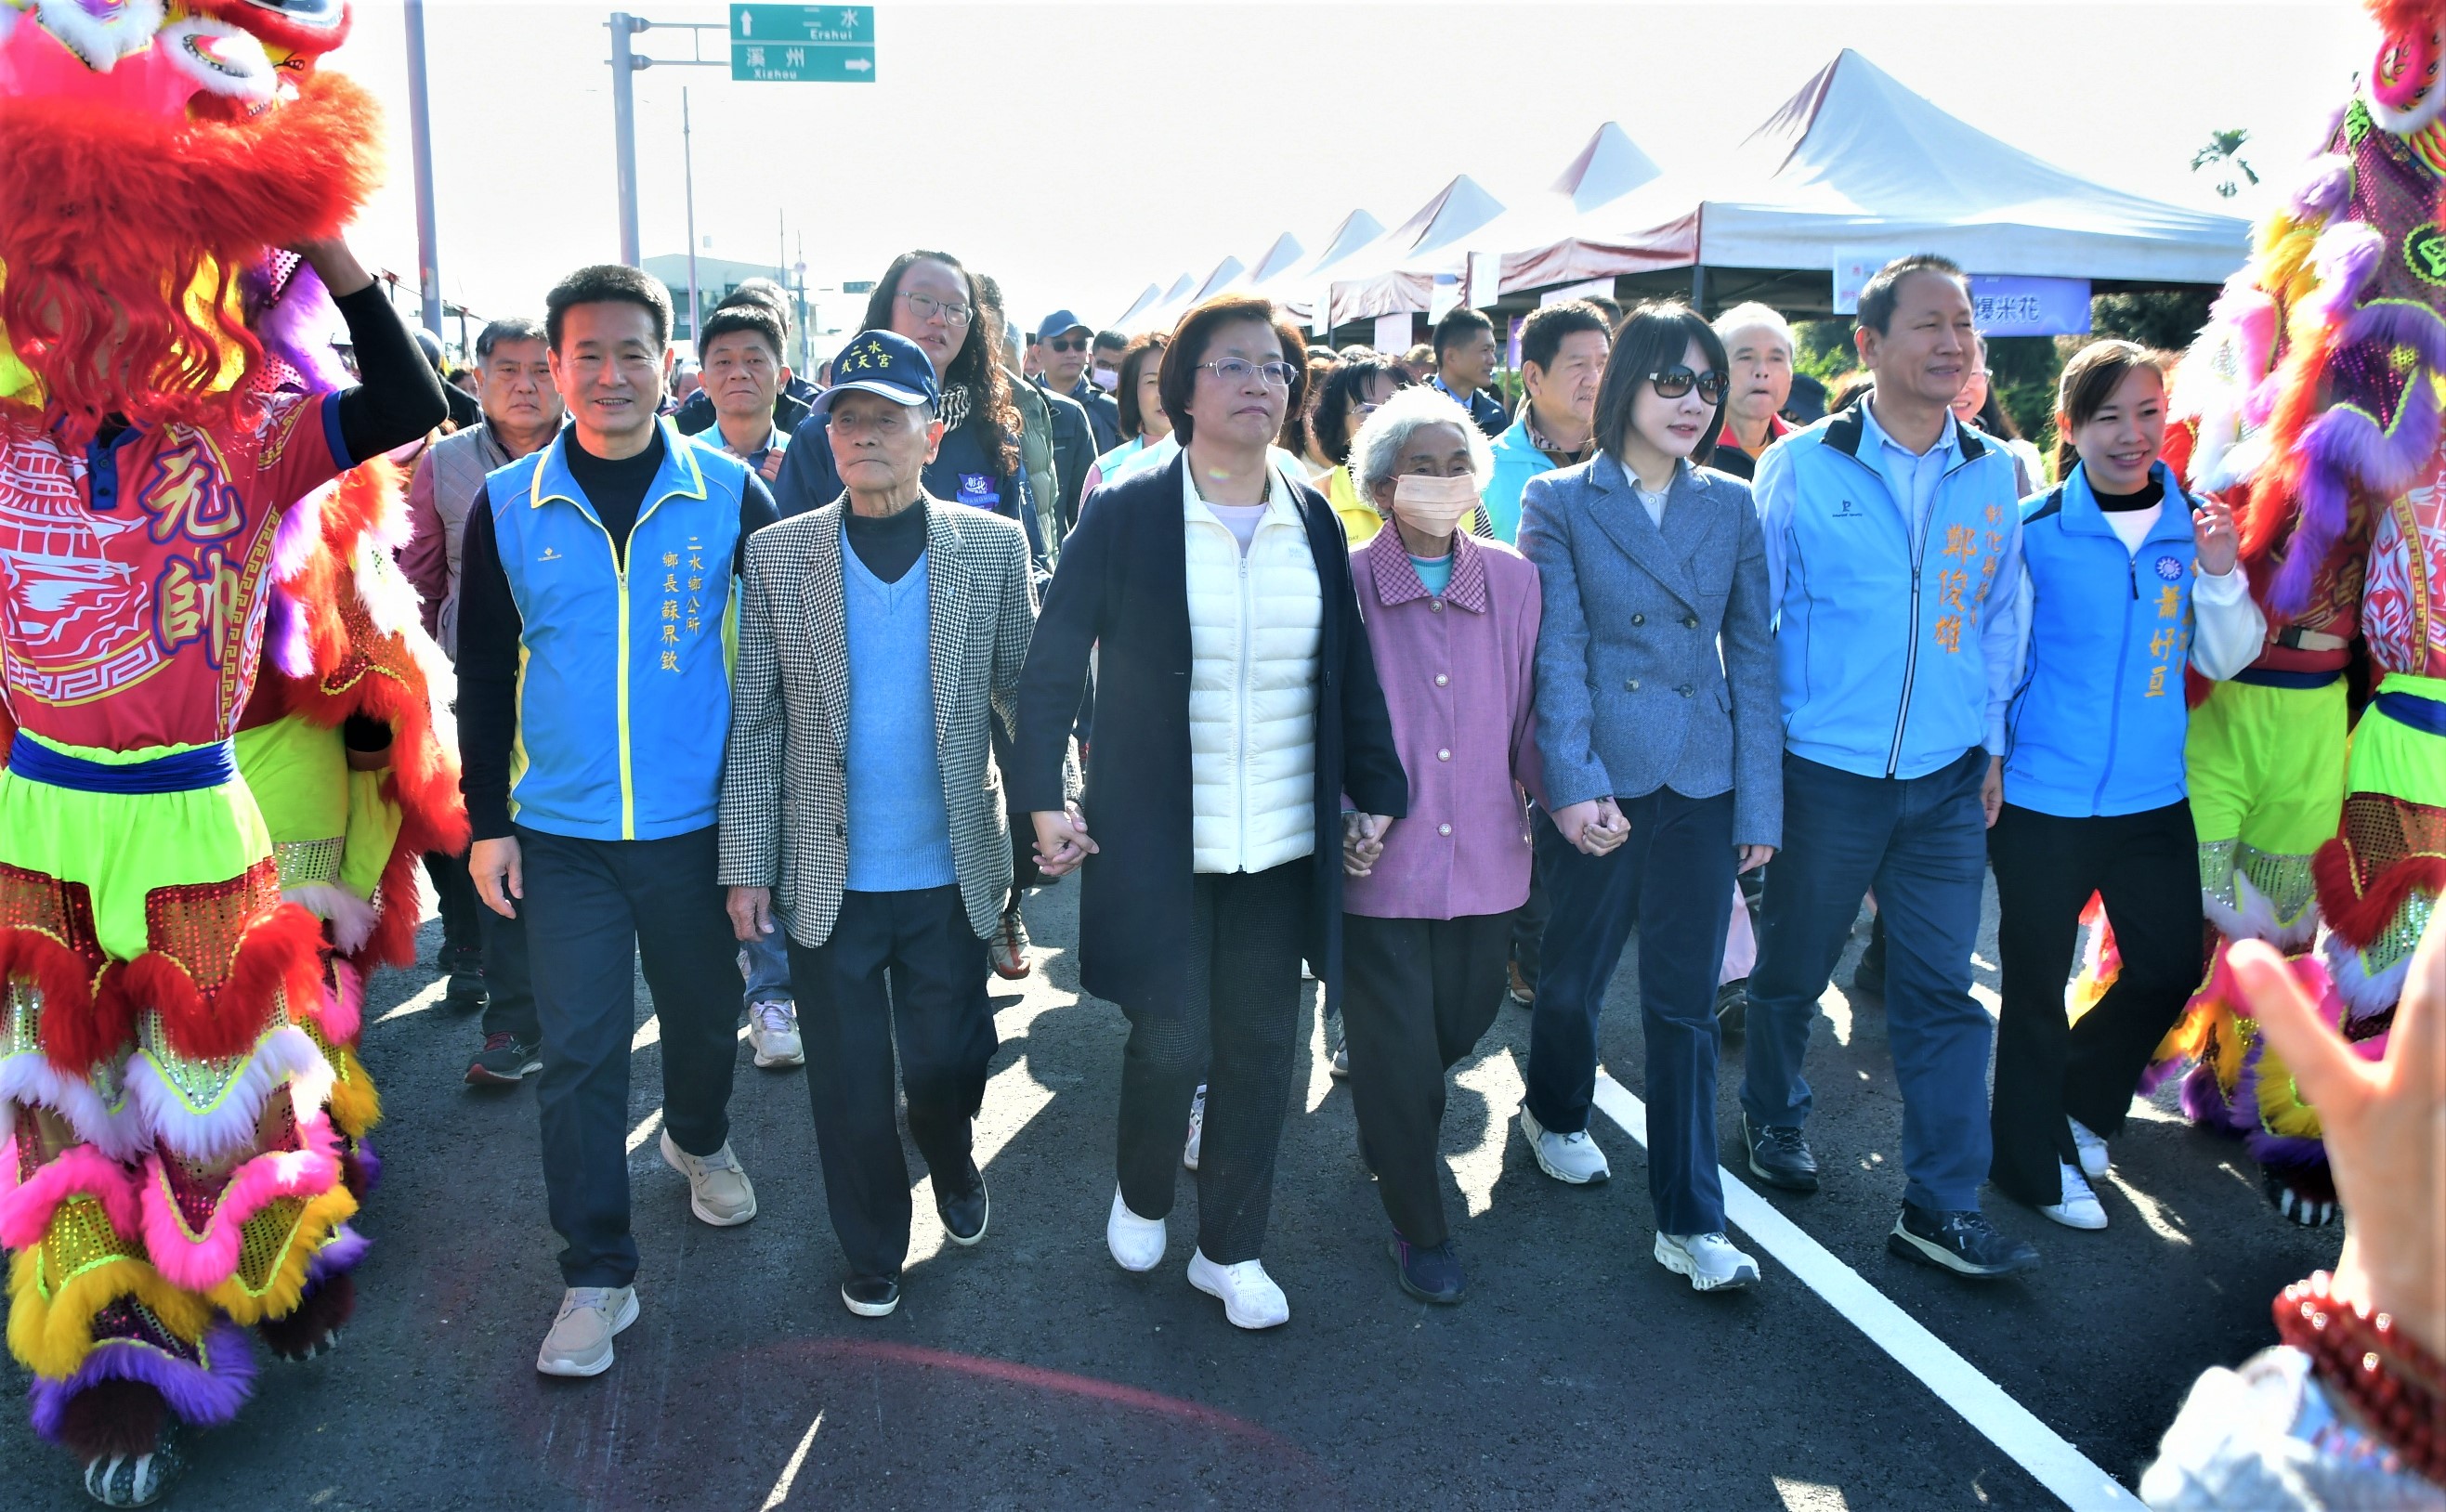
{"type": "Point", "coordinates": [772, 44]}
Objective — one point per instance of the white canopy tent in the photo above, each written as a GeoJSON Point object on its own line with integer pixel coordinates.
{"type": "Point", "coordinates": [1362, 286]}
{"type": "Point", "coordinates": [1855, 162]}
{"type": "Point", "coordinates": [1167, 313]}
{"type": "Point", "coordinates": [1294, 288]}
{"type": "Point", "coordinates": [1605, 168]}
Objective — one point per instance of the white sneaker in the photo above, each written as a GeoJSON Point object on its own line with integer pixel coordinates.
{"type": "Point", "coordinates": [1197, 1129]}
{"type": "Point", "coordinates": [773, 1033]}
{"type": "Point", "coordinates": [718, 1192]}
{"type": "Point", "coordinates": [1250, 1297]}
{"type": "Point", "coordinates": [1709, 1259]}
{"type": "Point", "coordinates": [2078, 1208]}
{"type": "Point", "coordinates": [1573, 1158]}
{"type": "Point", "coordinates": [2091, 1148]}
{"type": "Point", "coordinates": [581, 1340]}
{"type": "Point", "coordinates": [1136, 1243]}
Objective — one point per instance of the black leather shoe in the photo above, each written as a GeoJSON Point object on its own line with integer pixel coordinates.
{"type": "Point", "coordinates": [1733, 1007]}
{"type": "Point", "coordinates": [1779, 1157]}
{"type": "Point", "coordinates": [1963, 1243]}
{"type": "Point", "coordinates": [964, 1211]}
{"type": "Point", "coordinates": [870, 1296]}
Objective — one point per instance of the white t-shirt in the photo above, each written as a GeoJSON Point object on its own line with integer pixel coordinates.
{"type": "Point", "coordinates": [2133, 525]}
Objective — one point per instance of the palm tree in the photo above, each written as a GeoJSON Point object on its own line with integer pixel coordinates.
{"type": "Point", "coordinates": [2224, 154]}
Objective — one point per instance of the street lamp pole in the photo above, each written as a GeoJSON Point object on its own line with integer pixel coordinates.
{"type": "Point", "coordinates": [624, 127]}
{"type": "Point", "coordinates": [688, 160]}
{"type": "Point", "coordinates": [419, 130]}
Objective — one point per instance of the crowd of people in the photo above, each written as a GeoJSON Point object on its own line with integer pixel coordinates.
{"type": "Point", "coordinates": [1311, 663]}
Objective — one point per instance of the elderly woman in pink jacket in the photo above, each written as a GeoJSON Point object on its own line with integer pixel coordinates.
{"type": "Point", "coordinates": [1427, 907]}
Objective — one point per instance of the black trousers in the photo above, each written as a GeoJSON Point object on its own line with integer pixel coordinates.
{"type": "Point", "coordinates": [593, 908]}
{"type": "Point", "coordinates": [1417, 996]}
{"type": "Point", "coordinates": [454, 893]}
{"type": "Point", "coordinates": [2145, 867]}
{"type": "Point", "coordinates": [1528, 920]}
{"type": "Point", "coordinates": [901, 969]}
{"type": "Point", "coordinates": [1673, 880]}
{"type": "Point", "coordinates": [509, 986]}
{"type": "Point", "coordinates": [1235, 1028]}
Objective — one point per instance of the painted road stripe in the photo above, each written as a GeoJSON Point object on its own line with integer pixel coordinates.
{"type": "Point", "coordinates": [2036, 1448]}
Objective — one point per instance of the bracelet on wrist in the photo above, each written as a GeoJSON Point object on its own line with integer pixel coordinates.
{"type": "Point", "coordinates": [2363, 1358]}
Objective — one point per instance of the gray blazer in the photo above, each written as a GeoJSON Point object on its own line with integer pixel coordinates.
{"type": "Point", "coordinates": [1656, 657]}
{"type": "Point", "coordinates": [786, 775]}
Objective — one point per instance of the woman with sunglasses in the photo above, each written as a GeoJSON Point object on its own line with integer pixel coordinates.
{"type": "Point", "coordinates": [1237, 706]}
{"type": "Point", "coordinates": [1661, 742]}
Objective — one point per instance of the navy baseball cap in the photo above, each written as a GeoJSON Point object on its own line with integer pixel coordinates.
{"type": "Point", "coordinates": [1060, 321]}
{"type": "Point", "coordinates": [885, 363]}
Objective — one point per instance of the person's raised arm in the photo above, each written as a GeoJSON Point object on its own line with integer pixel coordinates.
{"type": "Point", "coordinates": [398, 397]}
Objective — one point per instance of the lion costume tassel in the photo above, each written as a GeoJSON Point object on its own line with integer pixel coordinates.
{"type": "Point", "coordinates": [2313, 402]}
{"type": "Point", "coordinates": [202, 825]}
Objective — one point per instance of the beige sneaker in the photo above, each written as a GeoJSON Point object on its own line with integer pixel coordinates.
{"type": "Point", "coordinates": [581, 1340]}
{"type": "Point", "coordinates": [718, 1192]}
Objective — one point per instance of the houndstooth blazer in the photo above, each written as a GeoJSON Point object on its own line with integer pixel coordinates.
{"type": "Point", "coordinates": [785, 777]}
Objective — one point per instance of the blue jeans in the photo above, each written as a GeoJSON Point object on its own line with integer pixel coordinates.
{"type": "Point", "coordinates": [1922, 844]}
{"type": "Point", "coordinates": [1672, 880]}
{"type": "Point", "coordinates": [767, 959]}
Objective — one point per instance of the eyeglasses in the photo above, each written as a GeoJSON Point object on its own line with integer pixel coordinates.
{"type": "Point", "coordinates": [928, 307]}
{"type": "Point", "coordinates": [1066, 344]}
{"type": "Point", "coordinates": [1236, 370]}
{"type": "Point", "coordinates": [1677, 381]}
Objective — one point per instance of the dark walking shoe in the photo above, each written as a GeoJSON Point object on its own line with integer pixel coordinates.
{"type": "Point", "coordinates": [466, 993]}
{"type": "Point", "coordinates": [1429, 1274]}
{"type": "Point", "coordinates": [1963, 1243]}
{"type": "Point", "coordinates": [1779, 1157]}
{"type": "Point", "coordinates": [964, 1210]}
{"type": "Point", "coordinates": [870, 1296]}
{"type": "Point", "coordinates": [1733, 1007]}
{"type": "Point", "coordinates": [504, 1061]}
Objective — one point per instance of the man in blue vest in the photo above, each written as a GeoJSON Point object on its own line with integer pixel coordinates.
{"type": "Point", "coordinates": [594, 697]}
{"type": "Point", "coordinates": [1893, 543]}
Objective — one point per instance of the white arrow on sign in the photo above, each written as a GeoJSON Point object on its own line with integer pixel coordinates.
{"type": "Point", "coordinates": [859, 65]}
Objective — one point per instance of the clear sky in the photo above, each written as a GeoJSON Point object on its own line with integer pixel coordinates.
{"type": "Point", "coordinates": [1082, 151]}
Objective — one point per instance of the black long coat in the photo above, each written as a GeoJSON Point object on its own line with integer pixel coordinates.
{"type": "Point", "coordinates": [1123, 583]}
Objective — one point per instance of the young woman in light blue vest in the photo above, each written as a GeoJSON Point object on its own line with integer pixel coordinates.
{"type": "Point", "coordinates": [2127, 581]}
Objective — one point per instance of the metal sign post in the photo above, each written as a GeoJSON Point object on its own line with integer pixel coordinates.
{"type": "Point", "coordinates": [768, 43]}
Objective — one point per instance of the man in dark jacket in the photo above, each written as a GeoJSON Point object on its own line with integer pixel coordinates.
{"type": "Point", "coordinates": [695, 415]}
{"type": "Point", "coordinates": [1060, 356]}
{"type": "Point", "coordinates": [1465, 353]}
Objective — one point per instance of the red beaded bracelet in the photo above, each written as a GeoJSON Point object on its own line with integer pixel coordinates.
{"type": "Point", "coordinates": [2364, 1358]}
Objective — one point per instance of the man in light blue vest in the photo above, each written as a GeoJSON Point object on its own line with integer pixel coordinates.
{"type": "Point", "coordinates": [1893, 541]}
{"type": "Point", "coordinates": [862, 816]}
{"type": "Point", "coordinates": [593, 696]}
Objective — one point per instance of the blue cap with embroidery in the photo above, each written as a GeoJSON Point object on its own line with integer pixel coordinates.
{"type": "Point", "coordinates": [885, 363]}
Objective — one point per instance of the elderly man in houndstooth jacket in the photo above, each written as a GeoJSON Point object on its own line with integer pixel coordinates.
{"type": "Point", "coordinates": [861, 809]}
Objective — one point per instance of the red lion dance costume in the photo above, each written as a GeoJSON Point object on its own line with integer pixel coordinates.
{"type": "Point", "coordinates": [193, 607]}
{"type": "Point", "coordinates": [2314, 397]}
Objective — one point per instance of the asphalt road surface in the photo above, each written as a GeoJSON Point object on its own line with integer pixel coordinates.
{"type": "Point", "coordinates": [1031, 1371]}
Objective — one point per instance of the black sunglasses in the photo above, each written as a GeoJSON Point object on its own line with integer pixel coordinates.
{"type": "Point", "coordinates": [1066, 344]}
{"type": "Point", "coordinates": [1677, 380]}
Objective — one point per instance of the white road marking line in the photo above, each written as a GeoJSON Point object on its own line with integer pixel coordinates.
{"type": "Point", "coordinates": [648, 1033]}
{"type": "Point", "coordinates": [1809, 1496]}
{"type": "Point", "coordinates": [781, 1491]}
{"type": "Point", "coordinates": [1497, 1078]}
{"type": "Point", "coordinates": [2012, 1428]}
{"type": "Point", "coordinates": [1320, 1060]}
{"type": "Point", "coordinates": [424, 997]}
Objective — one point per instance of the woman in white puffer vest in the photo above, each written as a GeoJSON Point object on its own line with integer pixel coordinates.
{"type": "Point", "coordinates": [1236, 704]}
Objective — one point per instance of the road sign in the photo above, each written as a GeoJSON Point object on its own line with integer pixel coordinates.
{"type": "Point", "coordinates": [803, 43]}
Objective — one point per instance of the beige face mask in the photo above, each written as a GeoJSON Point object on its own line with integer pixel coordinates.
{"type": "Point", "coordinates": [1432, 506]}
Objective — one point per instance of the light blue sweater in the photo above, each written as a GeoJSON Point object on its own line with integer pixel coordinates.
{"type": "Point", "coordinates": [899, 833]}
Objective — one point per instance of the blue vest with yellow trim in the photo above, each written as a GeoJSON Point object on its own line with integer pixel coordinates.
{"type": "Point", "coordinates": [624, 677]}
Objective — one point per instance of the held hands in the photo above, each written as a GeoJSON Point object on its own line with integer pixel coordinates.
{"type": "Point", "coordinates": [2385, 1124]}
{"type": "Point", "coordinates": [1363, 842]}
{"type": "Point", "coordinates": [1596, 826]}
{"type": "Point", "coordinates": [1753, 857]}
{"type": "Point", "coordinates": [1061, 840]}
{"type": "Point", "coordinates": [1991, 791]}
{"type": "Point", "coordinates": [2213, 539]}
{"type": "Point", "coordinates": [751, 912]}
{"type": "Point", "coordinates": [495, 864]}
